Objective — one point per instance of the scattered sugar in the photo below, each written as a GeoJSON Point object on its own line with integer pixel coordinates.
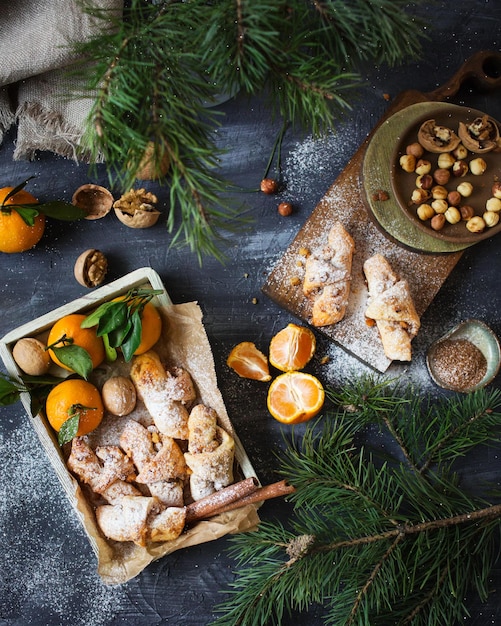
{"type": "Point", "coordinates": [37, 579]}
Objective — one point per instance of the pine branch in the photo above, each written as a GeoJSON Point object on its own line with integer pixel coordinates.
{"type": "Point", "coordinates": [406, 544]}
{"type": "Point", "coordinates": [150, 74]}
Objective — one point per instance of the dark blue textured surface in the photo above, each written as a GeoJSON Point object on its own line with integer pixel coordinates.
{"type": "Point", "coordinates": [47, 568]}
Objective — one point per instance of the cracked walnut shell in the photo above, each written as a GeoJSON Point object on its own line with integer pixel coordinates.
{"type": "Point", "coordinates": [95, 200]}
{"type": "Point", "coordinates": [136, 208]}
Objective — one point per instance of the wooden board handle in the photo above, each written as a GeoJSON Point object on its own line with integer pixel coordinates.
{"type": "Point", "coordinates": [483, 68]}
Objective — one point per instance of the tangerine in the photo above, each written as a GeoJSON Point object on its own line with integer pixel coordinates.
{"type": "Point", "coordinates": [67, 330]}
{"type": "Point", "coordinates": [151, 325]}
{"type": "Point", "coordinates": [15, 234]}
{"type": "Point", "coordinates": [295, 397]}
{"type": "Point", "coordinates": [75, 397]}
{"type": "Point", "coordinates": [292, 348]}
{"type": "Point", "coordinates": [249, 362]}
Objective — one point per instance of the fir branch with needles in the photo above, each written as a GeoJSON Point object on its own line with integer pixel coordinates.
{"type": "Point", "coordinates": [150, 74]}
{"type": "Point", "coordinates": [393, 540]}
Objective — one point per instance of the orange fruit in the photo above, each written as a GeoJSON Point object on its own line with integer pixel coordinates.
{"type": "Point", "coordinates": [151, 326]}
{"type": "Point", "coordinates": [15, 234]}
{"type": "Point", "coordinates": [71, 397]}
{"type": "Point", "coordinates": [295, 397]}
{"type": "Point", "coordinates": [249, 362]}
{"type": "Point", "coordinates": [68, 327]}
{"type": "Point", "coordinates": [292, 348]}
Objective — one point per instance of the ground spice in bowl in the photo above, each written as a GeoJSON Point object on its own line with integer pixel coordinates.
{"type": "Point", "coordinates": [458, 364]}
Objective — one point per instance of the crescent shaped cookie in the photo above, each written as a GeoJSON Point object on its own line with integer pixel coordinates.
{"type": "Point", "coordinates": [327, 279]}
{"type": "Point", "coordinates": [391, 305]}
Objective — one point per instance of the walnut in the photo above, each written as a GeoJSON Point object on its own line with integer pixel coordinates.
{"type": "Point", "coordinates": [90, 268]}
{"type": "Point", "coordinates": [136, 208]}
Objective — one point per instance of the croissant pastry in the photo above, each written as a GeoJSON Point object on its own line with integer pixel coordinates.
{"type": "Point", "coordinates": [163, 472]}
{"type": "Point", "coordinates": [140, 519]}
{"type": "Point", "coordinates": [390, 304]}
{"type": "Point", "coordinates": [327, 277]}
{"type": "Point", "coordinates": [108, 478]}
{"type": "Point", "coordinates": [163, 393]}
{"type": "Point", "coordinates": [210, 453]}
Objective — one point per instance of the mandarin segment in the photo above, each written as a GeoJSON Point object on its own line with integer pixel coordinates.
{"type": "Point", "coordinates": [295, 397]}
{"type": "Point", "coordinates": [292, 348]}
{"type": "Point", "coordinates": [249, 362]}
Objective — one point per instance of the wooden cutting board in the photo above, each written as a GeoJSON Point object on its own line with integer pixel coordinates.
{"type": "Point", "coordinates": [348, 200]}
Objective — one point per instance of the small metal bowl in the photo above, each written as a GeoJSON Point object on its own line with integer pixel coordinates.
{"type": "Point", "coordinates": [481, 336]}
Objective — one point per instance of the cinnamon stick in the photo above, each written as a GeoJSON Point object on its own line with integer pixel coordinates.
{"type": "Point", "coordinates": [206, 507]}
{"type": "Point", "coordinates": [275, 490]}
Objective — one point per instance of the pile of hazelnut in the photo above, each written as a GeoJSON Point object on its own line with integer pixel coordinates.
{"type": "Point", "coordinates": [441, 195]}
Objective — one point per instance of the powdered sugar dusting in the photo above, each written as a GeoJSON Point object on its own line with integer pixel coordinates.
{"type": "Point", "coordinates": [344, 202]}
{"type": "Point", "coordinates": [35, 572]}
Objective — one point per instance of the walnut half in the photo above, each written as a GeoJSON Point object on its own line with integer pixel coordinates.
{"type": "Point", "coordinates": [136, 208]}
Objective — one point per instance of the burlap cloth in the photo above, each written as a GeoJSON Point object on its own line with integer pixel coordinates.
{"type": "Point", "coordinates": [35, 61]}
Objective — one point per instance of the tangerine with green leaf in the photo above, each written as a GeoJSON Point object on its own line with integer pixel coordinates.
{"type": "Point", "coordinates": [16, 235]}
{"type": "Point", "coordinates": [67, 332]}
{"type": "Point", "coordinates": [76, 400]}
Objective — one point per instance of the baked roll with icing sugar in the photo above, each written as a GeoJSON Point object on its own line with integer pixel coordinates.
{"type": "Point", "coordinates": [391, 306]}
{"type": "Point", "coordinates": [327, 279]}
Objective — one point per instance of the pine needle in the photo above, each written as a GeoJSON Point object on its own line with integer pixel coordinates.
{"type": "Point", "coordinates": [392, 541]}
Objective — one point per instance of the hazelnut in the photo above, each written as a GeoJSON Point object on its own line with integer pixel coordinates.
{"type": "Point", "coordinates": [439, 192]}
{"type": "Point", "coordinates": [31, 356]}
{"type": "Point", "coordinates": [493, 204]}
{"type": "Point", "coordinates": [269, 186]}
{"type": "Point", "coordinates": [445, 160]}
{"type": "Point", "coordinates": [441, 176]}
{"type": "Point", "coordinates": [459, 168]}
{"type": "Point", "coordinates": [454, 198]}
{"type": "Point", "coordinates": [425, 212]}
{"type": "Point", "coordinates": [491, 218]}
{"type": "Point", "coordinates": [467, 212]}
{"type": "Point", "coordinates": [475, 224]}
{"type": "Point", "coordinates": [408, 162]}
{"type": "Point", "coordinates": [496, 189]}
{"type": "Point", "coordinates": [423, 167]}
{"type": "Point", "coordinates": [119, 395]}
{"type": "Point", "coordinates": [478, 166]}
{"type": "Point", "coordinates": [452, 215]}
{"type": "Point", "coordinates": [438, 222]}
{"type": "Point", "coordinates": [465, 189]}
{"type": "Point", "coordinates": [460, 152]}
{"type": "Point", "coordinates": [415, 149]}
{"type": "Point", "coordinates": [439, 206]}
{"type": "Point", "coordinates": [90, 268]}
{"type": "Point", "coordinates": [419, 196]}
{"type": "Point", "coordinates": [425, 181]}
{"type": "Point", "coordinates": [285, 209]}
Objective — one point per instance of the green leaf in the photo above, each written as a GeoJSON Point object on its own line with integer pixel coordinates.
{"type": "Point", "coordinates": [59, 210]}
{"type": "Point", "coordinates": [9, 392]}
{"type": "Point", "coordinates": [113, 318]}
{"type": "Point", "coordinates": [27, 213]}
{"type": "Point", "coordinates": [133, 339]}
{"type": "Point", "coordinates": [69, 429]}
{"type": "Point", "coordinates": [111, 353]}
{"type": "Point", "coordinates": [76, 358]}
{"type": "Point", "coordinates": [93, 318]}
